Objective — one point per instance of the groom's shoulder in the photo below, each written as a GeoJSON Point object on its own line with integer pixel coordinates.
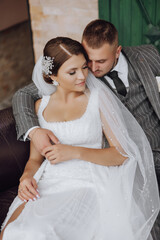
{"type": "Point", "coordinates": [28, 89]}
{"type": "Point", "coordinates": [146, 48]}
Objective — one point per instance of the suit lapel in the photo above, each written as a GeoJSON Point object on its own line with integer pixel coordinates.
{"type": "Point", "coordinates": [146, 76]}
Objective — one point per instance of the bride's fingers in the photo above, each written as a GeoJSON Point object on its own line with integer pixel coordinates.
{"type": "Point", "coordinates": [50, 155]}
{"type": "Point", "coordinates": [28, 194]}
{"type": "Point", "coordinates": [33, 192]}
{"type": "Point", "coordinates": [23, 196]}
{"type": "Point", "coordinates": [34, 183]}
{"type": "Point", "coordinates": [55, 161]}
{"type": "Point", "coordinates": [47, 149]}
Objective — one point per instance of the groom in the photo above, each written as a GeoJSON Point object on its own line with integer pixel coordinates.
{"type": "Point", "coordinates": [130, 72]}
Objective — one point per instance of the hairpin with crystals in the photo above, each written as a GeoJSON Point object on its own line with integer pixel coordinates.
{"type": "Point", "coordinates": [47, 65]}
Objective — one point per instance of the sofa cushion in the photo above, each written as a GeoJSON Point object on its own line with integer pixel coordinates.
{"type": "Point", "coordinates": [6, 198]}
{"type": "Point", "coordinates": [13, 153]}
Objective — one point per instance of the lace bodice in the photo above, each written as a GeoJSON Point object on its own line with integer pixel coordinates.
{"type": "Point", "coordinates": [84, 131]}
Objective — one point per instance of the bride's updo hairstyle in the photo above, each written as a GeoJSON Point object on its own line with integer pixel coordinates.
{"type": "Point", "coordinates": [57, 51]}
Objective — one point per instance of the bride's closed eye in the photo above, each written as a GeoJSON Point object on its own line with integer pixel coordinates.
{"type": "Point", "coordinates": [85, 67]}
{"type": "Point", "coordinates": [73, 72]}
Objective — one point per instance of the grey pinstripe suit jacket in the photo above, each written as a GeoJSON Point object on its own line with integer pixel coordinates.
{"type": "Point", "coordinates": [145, 60]}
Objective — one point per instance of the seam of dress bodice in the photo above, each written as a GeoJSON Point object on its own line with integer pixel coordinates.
{"type": "Point", "coordinates": [43, 105]}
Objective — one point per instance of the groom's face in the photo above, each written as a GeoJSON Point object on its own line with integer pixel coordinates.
{"type": "Point", "coordinates": [103, 59]}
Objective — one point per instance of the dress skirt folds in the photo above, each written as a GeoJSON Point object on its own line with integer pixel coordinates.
{"type": "Point", "coordinates": [73, 193]}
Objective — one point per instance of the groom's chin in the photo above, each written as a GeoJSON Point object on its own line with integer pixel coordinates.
{"type": "Point", "coordinates": [98, 74]}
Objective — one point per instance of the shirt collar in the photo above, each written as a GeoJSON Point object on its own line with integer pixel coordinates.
{"type": "Point", "coordinates": [121, 64]}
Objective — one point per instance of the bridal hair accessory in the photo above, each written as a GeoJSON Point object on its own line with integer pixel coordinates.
{"type": "Point", "coordinates": [47, 65]}
{"type": "Point", "coordinates": [55, 83]}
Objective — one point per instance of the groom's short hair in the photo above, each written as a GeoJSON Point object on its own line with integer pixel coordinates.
{"type": "Point", "coordinates": [98, 32]}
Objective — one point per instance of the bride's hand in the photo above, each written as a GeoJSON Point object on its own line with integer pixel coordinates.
{"type": "Point", "coordinates": [27, 189]}
{"type": "Point", "coordinates": [41, 138]}
{"type": "Point", "coordinates": [60, 153]}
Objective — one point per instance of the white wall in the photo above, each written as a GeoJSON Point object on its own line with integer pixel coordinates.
{"type": "Point", "coordinates": [52, 18]}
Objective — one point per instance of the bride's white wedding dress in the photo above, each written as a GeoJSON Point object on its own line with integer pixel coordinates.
{"type": "Point", "coordinates": [70, 204]}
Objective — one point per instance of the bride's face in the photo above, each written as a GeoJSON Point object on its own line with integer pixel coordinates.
{"type": "Point", "coordinates": [73, 73]}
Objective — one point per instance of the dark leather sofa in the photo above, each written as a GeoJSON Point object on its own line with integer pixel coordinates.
{"type": "Point", "coordinates": [13, 157]}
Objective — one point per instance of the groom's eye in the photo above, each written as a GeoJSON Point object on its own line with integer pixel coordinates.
{"type": "Point", "coordinates": [101, 61]}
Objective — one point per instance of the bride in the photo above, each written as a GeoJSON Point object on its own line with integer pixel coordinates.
{"type": "Point", "coordinates": [82, 190]}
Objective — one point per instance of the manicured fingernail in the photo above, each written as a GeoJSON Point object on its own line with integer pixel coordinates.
{"type": "Point", "coordinates": [25, 200]}
{"type": "Point", "coordinates": [37, 196]}
{"type": "Point", "coordinates": [37, 190]}
{"type": "Point", "coordinates": [34, 199]}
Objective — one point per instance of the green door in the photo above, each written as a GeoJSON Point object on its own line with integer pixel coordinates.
{"type": "Point", "coordinates": [137, 21]}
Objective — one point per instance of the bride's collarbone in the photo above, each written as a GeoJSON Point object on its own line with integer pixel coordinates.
{"type": "Point", "coordinates": [59, 111]}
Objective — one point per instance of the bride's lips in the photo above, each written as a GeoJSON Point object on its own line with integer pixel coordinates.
{"type": "Point", "coordinates": [81, 83]}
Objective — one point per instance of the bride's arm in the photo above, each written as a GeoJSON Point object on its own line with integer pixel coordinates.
{"type": "Point", "coordinates": [112, 156]}
{"type": "Point", "coordinates": [34, 162]}
{"type": "Point", "coordinates": [28, 186]}
{"type": "Point", "coordinates": [106, 157]}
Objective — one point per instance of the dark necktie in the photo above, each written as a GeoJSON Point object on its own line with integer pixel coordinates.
{"type": "Point", "coordinates": [120, 87]}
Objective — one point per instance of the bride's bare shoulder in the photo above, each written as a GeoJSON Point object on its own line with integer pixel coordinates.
{"type": "Point", "coordinates": [37, 104]}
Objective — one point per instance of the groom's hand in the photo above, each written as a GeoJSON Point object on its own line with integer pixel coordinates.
{"type": "Point", "coordinates": [42, 138]}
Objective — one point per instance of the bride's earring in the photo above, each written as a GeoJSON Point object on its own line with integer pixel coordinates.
{"type": "Point", "coordinates": [55, 83]}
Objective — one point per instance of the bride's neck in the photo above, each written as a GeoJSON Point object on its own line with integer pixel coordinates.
{"type": "Point", "coordinates": [66, 95]}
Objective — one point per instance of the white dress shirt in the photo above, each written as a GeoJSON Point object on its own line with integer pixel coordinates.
{"type": "Point", "coordinates": [122, 69]}
{"type": "Point", "coordinates": [26, 135]}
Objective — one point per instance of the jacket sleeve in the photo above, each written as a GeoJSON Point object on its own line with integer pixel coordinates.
{"type": "Point", "coordinates": [23, 109]}
{"type": "Point", "coordinates": [154, 62]}
{"type": "Point", "coordinates": [153, 58]}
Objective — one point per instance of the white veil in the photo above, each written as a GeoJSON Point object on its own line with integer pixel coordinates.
{"type": "Point", "coordinates": [130, 138]}
{"type": "Point", "coordinates": [141, 189]}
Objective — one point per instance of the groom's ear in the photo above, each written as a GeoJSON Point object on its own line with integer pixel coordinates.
{"type": "Point", "coordinates": [119, 48]}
